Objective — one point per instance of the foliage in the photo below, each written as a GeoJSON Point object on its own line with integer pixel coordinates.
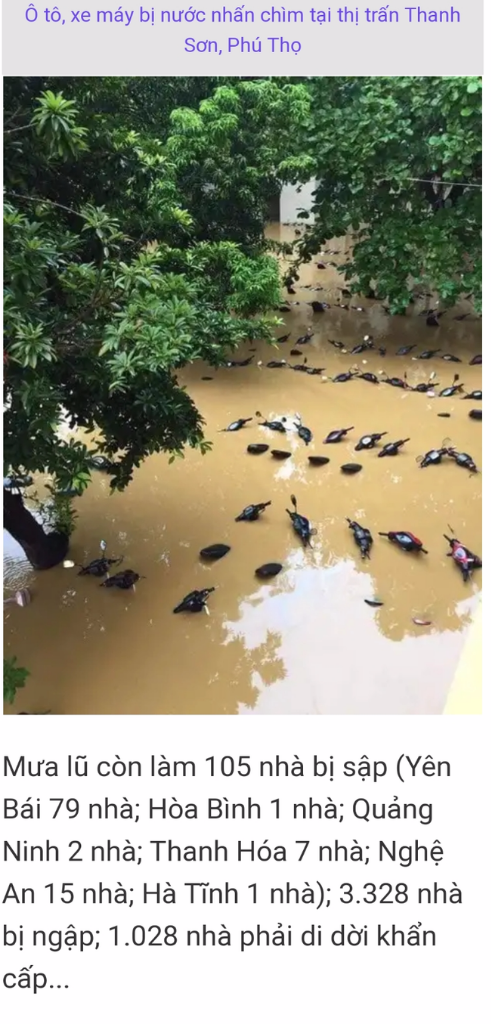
{"type": "Point", "coordinates": [212, 150]}
{"type": "Point", "coordinates": [14, 678]}
{"type": "Point", "coordinates": [133, 246]}
{"type": "Point", "coordinates": [369, 137]}
{"type": "Point", "coordinates": [56, 511]}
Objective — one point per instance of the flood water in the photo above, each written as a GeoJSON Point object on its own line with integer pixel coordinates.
{"type": "Point", "coordinates": [304, 642]}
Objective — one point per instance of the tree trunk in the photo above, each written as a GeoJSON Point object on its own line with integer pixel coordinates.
{"type": "Point", "coordinates": [44, 550]}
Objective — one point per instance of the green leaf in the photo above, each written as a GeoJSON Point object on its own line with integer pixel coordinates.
{"type": "Point", "coordinates": [14, 678]}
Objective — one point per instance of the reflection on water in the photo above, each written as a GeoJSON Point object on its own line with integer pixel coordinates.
{"type": "Point", "coordinates": [305, 642]}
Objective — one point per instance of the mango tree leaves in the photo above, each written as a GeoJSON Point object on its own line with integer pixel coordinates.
{"type": "Point", "coordinates": [133, 225]}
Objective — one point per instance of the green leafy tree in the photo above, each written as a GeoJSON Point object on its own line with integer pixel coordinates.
{"type": "Point", "coordinates": [386, 153]}
{"type": "Point", "coordinates": [133, 233]}
{"type": "Point", "coordinates": [14, 678]}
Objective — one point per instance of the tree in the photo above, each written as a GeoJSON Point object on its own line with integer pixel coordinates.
{"type": "Point", "coordinates": [130, 252]}
{"type": "Point", "coordinates": [386, 152]}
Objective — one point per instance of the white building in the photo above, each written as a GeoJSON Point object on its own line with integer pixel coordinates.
{"type": "Point", "coordinates": [294, 198]}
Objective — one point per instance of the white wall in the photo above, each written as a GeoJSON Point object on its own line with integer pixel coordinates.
{"type": "Point", "coordinates": [291, 201]}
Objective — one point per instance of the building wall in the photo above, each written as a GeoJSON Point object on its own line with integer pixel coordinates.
{"type": "Point", "coordinates": [291, 201]}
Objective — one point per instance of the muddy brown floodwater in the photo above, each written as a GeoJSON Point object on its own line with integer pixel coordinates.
{"type": "Point", "coordinates": [304, 642]}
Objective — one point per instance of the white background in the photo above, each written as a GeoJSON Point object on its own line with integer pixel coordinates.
{"type": "Point", "coordinates": [343, 985]}
{"type": "Point", "coordinates": [327, 49]}
{"type": "Point", "coordinates": [445, 983]}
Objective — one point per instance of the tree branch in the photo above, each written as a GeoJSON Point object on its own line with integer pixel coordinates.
{"type": "Point", "coordinates": [22, 128]}
{"type": "Point", "coordinates": [40, 201]}
{"type": "Point", "coordinates": [13, 116]}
